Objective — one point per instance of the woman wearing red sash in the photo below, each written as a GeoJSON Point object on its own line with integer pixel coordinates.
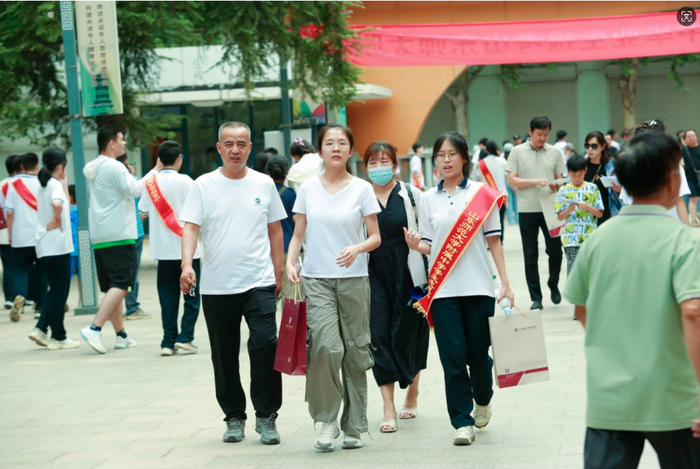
{"type": "Point", "coordinates": [458, 221]}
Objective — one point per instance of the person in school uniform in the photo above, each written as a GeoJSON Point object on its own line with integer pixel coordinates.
{"type": "Point", "coordinates": [54, 244]}
{"type": "Point", "coordinates": [10, 162]}
{"type": "Point", "coordinates": [21, 205]}
{"type": "Point", "coordinates": [162, 202]}
{"type": "Point", "coordinates": [238, 211]}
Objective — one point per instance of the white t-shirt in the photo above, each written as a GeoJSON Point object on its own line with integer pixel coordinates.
{"type": "Point", "coordinates": [614, 144]}
{"type": "Point", "coordinates": [309, 167]}
{"type": "Point", "coordinates": [416, 164]}
{"type": "Point", "coordinates": [472, 275]}
{"type": "Point", "coordinates": [683, 190]}
{"type": "Point", "coordinates": [560, 145]}
{"type": "Point", "coordinates": [234, 215]}
{"type": "Point", "coordinates": [24, 225]}
{"type": "Point", "coordinates": [497, 168]}
{"type": "Point", "coordinates": [164, 244]}
{"type": "Point", "coordinates": [58, 241]}
{"type": "Point", "coordinates": [334, 222]}
{"type": "Point", "coordinates": [4, 233]}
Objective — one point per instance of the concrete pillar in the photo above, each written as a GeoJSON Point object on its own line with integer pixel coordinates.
{"type": "Point", "coordinates": [487, 106]}
{"type": "Point", "coordinates": [592, 100]}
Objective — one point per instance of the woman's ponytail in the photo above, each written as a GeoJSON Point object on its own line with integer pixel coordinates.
{"type": "Point", "coordinates": [44, 176]}
{"type": "Point", "coordinates": [51, 159]}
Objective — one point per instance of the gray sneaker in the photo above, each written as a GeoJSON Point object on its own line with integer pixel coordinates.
{"type": "Point", "coordinates": [267, 428]}
{"type": "Point", "coordinates": [235, 431]}
{"type": "Point", "coordinates": [136, 315]}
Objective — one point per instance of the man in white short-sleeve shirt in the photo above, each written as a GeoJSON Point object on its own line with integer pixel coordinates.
{"type": "Point", "coordinates": [162, 202]}
{"type": "Point", "coordinates": [417, 179]}
{"type": "Point", "coordinates": [10, 163]}
{"type": "Point", "coordinates": [238, 211]}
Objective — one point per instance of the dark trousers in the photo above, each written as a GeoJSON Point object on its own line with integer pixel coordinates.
{"type": "Point", "coordinates": [57, 270]}
{"type": "Point", "coordinates": [6, 272]}
{"type": "Point", "coordinates": [168, 282]}
{"type": "Point", "coordinates": [223, 314]}
{"type": "Point", "coordinates": [25, 268]}
{"type": "Point", "coordinates": [502, 215]}
{"type": "Point", "coordinates": [530, 225]}
{"type": "Point", "coordinates": [132, 298]}
{"type": "Point", "coordinates": [606, 449]}
{"type": "Point", "coordinates": [462, 333]}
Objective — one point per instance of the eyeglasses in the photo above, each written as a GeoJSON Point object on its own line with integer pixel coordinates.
{"type": "Point", "coordinates": [592, 146]}
{"type": "Point", "coordinates": [341, 144]}
{"type": "Point", "coordinates": [451, 155]}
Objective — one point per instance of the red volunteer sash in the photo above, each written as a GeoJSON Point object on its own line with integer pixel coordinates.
{"type": "Point", "coordinates": [24, 192]}
{"type": "Point", "coordinates": [489, 179]}
{"type": "Point", "coordinates": [165, 211]}
{"type": "Point", "coordinates": [461, 235]}
{"type": "Point", "coordinates": [5, 187]}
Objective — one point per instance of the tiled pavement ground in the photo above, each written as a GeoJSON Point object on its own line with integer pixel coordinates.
{"type": "Point", "coordinates": [135, 409]}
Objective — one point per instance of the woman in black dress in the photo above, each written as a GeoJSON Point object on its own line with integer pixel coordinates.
{"type": "Point", "coordinates": [598, 164]}
{"type": "Point", "coordinates": [399, 334]}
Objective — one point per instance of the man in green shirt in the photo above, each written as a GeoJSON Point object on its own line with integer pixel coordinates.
{"type": "Point", "coordinates": [636, 287]}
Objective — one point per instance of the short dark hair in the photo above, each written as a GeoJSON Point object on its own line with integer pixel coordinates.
{"type": "Point", "coordinates": [650, 125]}
{"type": "Point", "coordinates": [561, 134]}
{"type": "Point", "coordinates": [611, 132]}
{"type": "Point", "coordinates": [541, 123]}
{"type": "Point", "coordinates": [576, 163]}
{"type": "Point", "coordinates": [71, 190]}
{"type": "Point", "coordinates": [106, 134]}
{"type": "Point", "coordinates": [492, 148]}
{"type": "Point", "coordinates": [271, 151]}
{"type": "Point", "coordinates": [29, 161]}
{"type": "Point", "coordinates": [277, 167]}
{"type": "Point", "coordinates": [260, 161]}
{"type": "Point", "coordinates": [416, 146]}
{"type": "Point", "coordinates": [301, 147]}
{"type": "Point", "coordinates": [168, 152]}
{"type": "Point", "coordinates": [460, 143]}
{"type": "Point", "coordinates": [645, 164]}
{"type": "Point", "coordinates": [327, 127]}
{"type": "Point", "coordinates": [123, 159]}
{"type": "Point", "coordinates": [626, 133]}
{"type": "Point", "coordinates": [10, 164]}
{"type": "Point", "coordinates": [483, 141]}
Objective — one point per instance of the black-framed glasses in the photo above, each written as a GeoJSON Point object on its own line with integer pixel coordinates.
{"type": "Point", "coordinates": [592, 146]}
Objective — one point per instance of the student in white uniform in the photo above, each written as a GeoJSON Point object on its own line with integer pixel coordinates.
{"type": "Point", "coordinates": [21, 206]}
{"type": "Point", "coordinates": [333, 211]}
{"type": "Point", "coordinates": [162, 203]}
{"type": "Point", "coordinates": [238, 211]}
{"type": "Point", "coordinates": [10, 163]}
{"type": "Point", "coordinates": [54, 244]}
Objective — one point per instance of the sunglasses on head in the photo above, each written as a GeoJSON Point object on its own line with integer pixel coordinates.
{"type": "Point", "coordinates": [592, 146]}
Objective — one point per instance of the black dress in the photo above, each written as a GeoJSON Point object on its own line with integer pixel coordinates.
{"type": "Point", "coordinates": [399, 332]}
{"type": "Point", "coordinates": [593, 174]}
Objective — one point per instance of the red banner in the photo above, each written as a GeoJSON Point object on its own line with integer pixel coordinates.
{"type": "Point", "coordinates": [565, 40]}
{"type": "Point", "coordinates": [165, 211]}
{"type": "Point", "coordinates": [26, 195]}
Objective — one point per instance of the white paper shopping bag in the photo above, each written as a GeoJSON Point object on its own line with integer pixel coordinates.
{"type": "Point", "coordinates": [519, 354]}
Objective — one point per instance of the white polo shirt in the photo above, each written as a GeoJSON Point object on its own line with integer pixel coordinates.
{"type": "Point", "coordinates": [472, 275]}
{"type": "Point", "coordinates": [59, 241]}
{"type": "Point", "coordinates": [234, 215]}
{"type": "Point", "coordinates": [164, 244]}
{"type": "Point", "coordinates": [497, 167]}
{"type": "Point", "coordinates": [25, 224]}
{"type": "Point", "coordinates": [683, 190]}
{"type": "Point", "coordinates": [4, 233]}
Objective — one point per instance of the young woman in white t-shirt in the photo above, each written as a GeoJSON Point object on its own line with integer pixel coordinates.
{"type": "Point", "coordinates": [464, 303]}
{"type": "Point", "coordinates": [54, 246]}
{"type": "Point", "coordinates": [332, 212]}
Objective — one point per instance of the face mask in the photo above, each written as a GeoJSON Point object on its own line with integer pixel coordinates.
{"type": "Point", "coordinates": [382, 175]}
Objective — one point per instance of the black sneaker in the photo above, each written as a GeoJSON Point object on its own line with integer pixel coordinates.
{"type": "Point", "coordinates": [556, 296]}
{"type": "Point", "coordinates": [537, 304]}
{"type": "Point", "coordinates": [267, 428]}
{"type": "Point", "coordinates": [235, 431]}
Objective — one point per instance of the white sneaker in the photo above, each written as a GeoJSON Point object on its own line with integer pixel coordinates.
{"type": "Point", "coordinates": [123, 343]}
{"type": "Point", "coordinates": [464, 436]}
{"type": "Point", "coordinates": [39, 337]}
{"type": "Point", "coordinates": [37, 313]}
{"type": "Point", "coordinates": [29, 303]}
{"type": "Point", "coordinates": [93, 338]}
{"type": "Point", "coordinates": [8, 305]}
{"type": "Point", "coordinates": [482, 415]}
{"type": "Point", "coordinates": [352, 442]}
{"type": "Point", "coordinates": [17, 307]}
{"type": "Point", "coordinates": [63, 344]}
{"type": "Point", "coordinates": [329, 433]}
{"type": "Point", "coordinates": [167, 352]}
{"type": "Point", "coordinates": [187, 346]}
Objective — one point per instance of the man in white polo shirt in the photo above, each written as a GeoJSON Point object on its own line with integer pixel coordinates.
{"type": "Point", "coordinates": [162, 202]}
{"type": "Point", "coordinates": [7, 275]}
{"type": "Point", "coordinates": [531, 166]}
{"type": "Point", "coordinates": [112, 233]}
{"type": "Point", "coordinates": [238, 211]}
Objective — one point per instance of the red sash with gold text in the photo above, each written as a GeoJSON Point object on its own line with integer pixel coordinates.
{"type": "Point", "coordinates": [24, 192]}
{"type": "Point", "coordinates": [461, 235]}
{"type": "Point", "coordinates": [166, 212]}
{"type": "Point", "coordinates": [489, 178]}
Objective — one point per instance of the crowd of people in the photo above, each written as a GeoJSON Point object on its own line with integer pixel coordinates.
{"type": "Point", "coordinates": [370, 255]}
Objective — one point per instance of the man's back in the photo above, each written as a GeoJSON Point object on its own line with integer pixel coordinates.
{"type": "Point", "coordinates": [631, 275]}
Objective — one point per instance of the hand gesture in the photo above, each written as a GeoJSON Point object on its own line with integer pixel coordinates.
{"type": "Point", "coordinates": [131, 169]}
{"type": "Point", "coordinates": [347, 256]}
{"type": "Point", "coordinates": [188, 279]}
{"type": "Point", "coordinates": [292, 274]}
{"type": "Point", "coordinates": [412, 238]}
{"type": "Point", "coordinates": [56, 223]}
{"type": "Point", "coordinates": [541, 182]}
{"type": "Point", "coordinates": [506, 292]}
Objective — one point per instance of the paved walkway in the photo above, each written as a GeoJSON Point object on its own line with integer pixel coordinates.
{"type": "Point", "coordinates": [135, 409]}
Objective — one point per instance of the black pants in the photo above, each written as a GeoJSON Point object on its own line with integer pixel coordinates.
{"type": "Point", "coordinates": [462, 334]}
{"type": "Point", "coordinates": [57, 269]}
{"type": "Point", "coordinates": [28, 278]}
{"type": "Point", "coordinates": [606, 449]}
{"type": "Point", "coordinates": [6, 272]}
{"type": "Point", "coordinates": [530, 225]}
{"type": "Point", "coordinates": [223, 314]}
{"type": "Point", "coordinates": [502, 215]}
{"type": "Point", "coordinates": [168, 282]}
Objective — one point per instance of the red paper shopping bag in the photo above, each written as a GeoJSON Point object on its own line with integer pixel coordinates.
{"type": "Point", "coordinates": [290, 358]}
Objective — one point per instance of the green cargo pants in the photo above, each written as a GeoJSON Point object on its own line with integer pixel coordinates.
{"type": "Point", "coordinates": [338, 327]}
